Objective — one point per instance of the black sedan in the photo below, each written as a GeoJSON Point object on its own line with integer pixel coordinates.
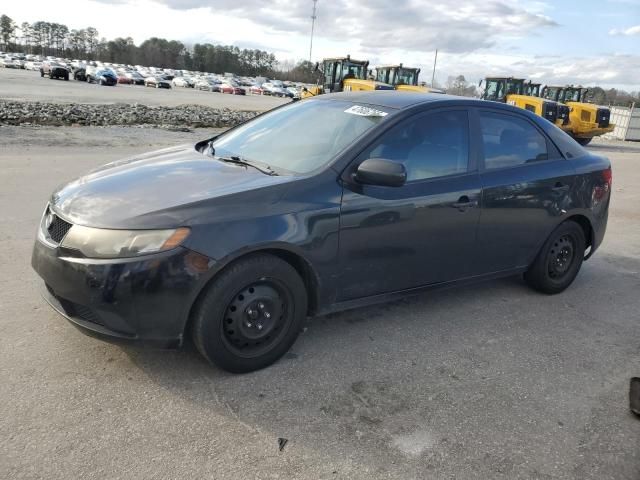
{"type": "Point", "coordinates": [373, 196]}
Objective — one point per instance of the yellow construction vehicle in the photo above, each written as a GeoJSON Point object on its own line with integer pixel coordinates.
{"type": "Point", "coordinates": [587, 120]}
{"type": "Point", "coordinates": [343, 74]}
{"type": "Point", "coordinates": [517, 92]}
{"type": "Point", "coordinates": [403, 78]}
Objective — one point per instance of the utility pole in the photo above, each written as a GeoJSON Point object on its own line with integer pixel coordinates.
{"type": "Point", "coordinates": [433, 75]}
{"type": "Point", "coordinates": [313, 24]}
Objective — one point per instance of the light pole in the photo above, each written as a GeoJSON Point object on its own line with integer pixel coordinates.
{"type": "Point", "coordinates": [313, 24]}
{"type": "Point", "coordinates": [433, 75]}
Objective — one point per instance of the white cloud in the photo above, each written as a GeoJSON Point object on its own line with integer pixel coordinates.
{"type": "Point", "coordinates": [474, 38]}
{"type": "Point", "coordinates": [627, 32]}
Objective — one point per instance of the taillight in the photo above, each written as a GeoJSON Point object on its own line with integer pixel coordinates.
{"type": "Point", "coordinates": [607, 176]}
{"type": "Point", "coordinates": [599, 192]}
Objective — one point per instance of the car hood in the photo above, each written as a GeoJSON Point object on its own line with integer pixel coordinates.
{"type": "Point", "coordinates": [165, 188]}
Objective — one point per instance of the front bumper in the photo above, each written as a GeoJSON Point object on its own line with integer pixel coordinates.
{"type": "Point", "coordinates": [590, 131]}
{"type": "Point", "coordinates": [144, 299]}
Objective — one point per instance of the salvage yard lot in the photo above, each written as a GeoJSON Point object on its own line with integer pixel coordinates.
{"type": "Point", "coordinates": [488, 381]}
{"type": "Point", "coordinates": [27, 85]}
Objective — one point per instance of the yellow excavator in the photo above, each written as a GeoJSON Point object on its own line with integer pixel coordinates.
{"type": "Point", "coordinates": [343, 74]}
{"type": "Point", "coordinates": [517, 92]}
{"type": "Point", "coordinates": [403, 78]}
{"type": "Point", "coordinates": [587, 120]}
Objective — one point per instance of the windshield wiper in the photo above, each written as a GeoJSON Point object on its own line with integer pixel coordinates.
{"type": "Point", "coordinates": [267, 170]}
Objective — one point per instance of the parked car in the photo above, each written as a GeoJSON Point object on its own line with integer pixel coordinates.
{"type": "Point", "coordinates": [80, 73]}
{"type": "Point", "coordinates": [396, 193]}
{"type": "Point", "coordinates": [124, 79]}
{"type": "Point", "coordinates": [103, 76]}
{"type": "Point", "coordinates": [183, 82]}
{"type": "Point", "coordinates": [275, 90]}
{"type": "Point", "coordinates": [256, 90]}
{"type": "Point", "coordinates": [54, 70]}
{"type": "Point", "coordinates": [135, 77]}
{"type": "Point", "coordinates": [157, 82]}
{"type": "Point", "coordinates": [207, 85]}
{"type": "Point", "coordinates": [229, 88]}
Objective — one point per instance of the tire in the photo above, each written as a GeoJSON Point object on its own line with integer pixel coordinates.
{"type": "Point", "coordinates": [66, 77]}
{"type": "Point", "coordinates": [559, 259]}
{"type": "Point", "coordinates": [584, 141]}
{"type": "Point", "coordinates": [41, 73]}
{"type": "Point", "coordinates": [251, 314]}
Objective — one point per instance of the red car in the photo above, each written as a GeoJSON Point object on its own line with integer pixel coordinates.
{"type": "Point", "coordinates": [122, 78]}
{"type": "Point", "coordinates": [227, 88]}
{"type": "Point", "coordinates": [256, 90]}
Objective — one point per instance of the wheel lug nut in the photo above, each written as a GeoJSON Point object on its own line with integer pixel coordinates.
{"type": "Point", "coordinates": [261, 305]}
{"type": "Point", "coordinates": [267, 315]}
{"type": "Point", "coordinates": [259, 326]}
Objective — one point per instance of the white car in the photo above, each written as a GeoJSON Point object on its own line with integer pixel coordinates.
{"type": "Point", "coordinates": [182, 82]}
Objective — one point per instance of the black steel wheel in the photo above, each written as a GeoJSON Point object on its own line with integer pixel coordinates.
{"type": "Point", "coordinates": [559, 260]}
{"type": "Point", "coordinates": [256, 318]}
{"type": "Point", "coordinates": [250, 314]}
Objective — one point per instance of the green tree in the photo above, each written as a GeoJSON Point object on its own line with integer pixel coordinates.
{"type": "Point", "coordinates": [7, 28]}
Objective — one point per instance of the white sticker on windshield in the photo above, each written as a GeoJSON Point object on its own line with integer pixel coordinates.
{"type": "Point", "coordinates": [365, 111]}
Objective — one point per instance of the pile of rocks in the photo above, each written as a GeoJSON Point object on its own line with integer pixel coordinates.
{"type": "Point", "coordinates": [59, 114]}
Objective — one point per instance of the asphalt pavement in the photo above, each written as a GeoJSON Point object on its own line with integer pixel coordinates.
{"type": "Point", "coordinates": [492, 381]}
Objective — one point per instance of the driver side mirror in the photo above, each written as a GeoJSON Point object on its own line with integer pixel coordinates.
{"type": "Point", "coordinates": [380, 171]}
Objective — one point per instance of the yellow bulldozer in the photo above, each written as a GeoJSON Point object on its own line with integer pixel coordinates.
{"type": "Point", "coordinates": [403, 78]}
{"type": "Point", "coordinates": [517, 92]}
{"type": "Point", "coordinates": [343, 74]}
{"type": "Point", "coordinates": [587, 120]}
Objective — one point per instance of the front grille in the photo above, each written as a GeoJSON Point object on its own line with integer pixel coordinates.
{"type": "Point", "coordinates": [603, 117]}
{"type": "Point", "coordinates": [585, 116]}
{"type": "Point", "coordinates": [563, 113]}
{"type": "Point", "coordinates": [549, 111]}
{"type": "Point", "coordinates": [57, 228]}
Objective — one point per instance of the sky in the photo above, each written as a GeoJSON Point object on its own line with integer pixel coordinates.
{"type": "Point", "coordinates": [582, 42]}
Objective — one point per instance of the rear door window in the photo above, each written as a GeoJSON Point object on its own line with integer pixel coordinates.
{"type": "Point", "coordinates": [510, 141]}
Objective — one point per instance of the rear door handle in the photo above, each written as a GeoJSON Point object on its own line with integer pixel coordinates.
{"type": "Point", "coordinates": [464, 202]}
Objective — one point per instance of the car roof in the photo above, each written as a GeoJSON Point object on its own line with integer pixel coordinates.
{"type": "Point", "coordinates": [397, 99]}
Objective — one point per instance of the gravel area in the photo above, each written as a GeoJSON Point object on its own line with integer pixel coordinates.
{"type": "Point", "coordinates": [58, 114]}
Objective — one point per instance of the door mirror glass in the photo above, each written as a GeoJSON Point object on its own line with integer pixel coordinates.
{"type": "Point", "coordinates": [379, 171]}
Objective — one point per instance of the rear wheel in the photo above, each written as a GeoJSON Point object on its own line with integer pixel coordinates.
{"type": "Point", "coordinates": [251, 314]}
{"type": "Point", "coordinates": [584, 141]}
{"type": "Point", "coordinates": [559, 260]}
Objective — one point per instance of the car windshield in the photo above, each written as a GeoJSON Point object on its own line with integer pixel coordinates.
{"type": "Point", "coordinates": [300, 137]}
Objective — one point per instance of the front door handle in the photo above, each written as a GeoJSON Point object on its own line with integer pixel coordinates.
{"type": "Point", "coordinates": [464, 203]}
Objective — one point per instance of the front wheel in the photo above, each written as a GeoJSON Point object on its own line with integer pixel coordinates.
{"type": "Point", "coordinates": [559, 260]}
{"type": "Point", "coordinates": [251, 314]}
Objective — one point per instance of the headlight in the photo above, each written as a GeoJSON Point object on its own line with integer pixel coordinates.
{"type": "Point", "coordinates": [104, 243]}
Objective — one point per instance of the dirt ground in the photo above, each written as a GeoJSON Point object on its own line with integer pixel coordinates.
{"type": "Point", "coordinates": [492, 381]}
